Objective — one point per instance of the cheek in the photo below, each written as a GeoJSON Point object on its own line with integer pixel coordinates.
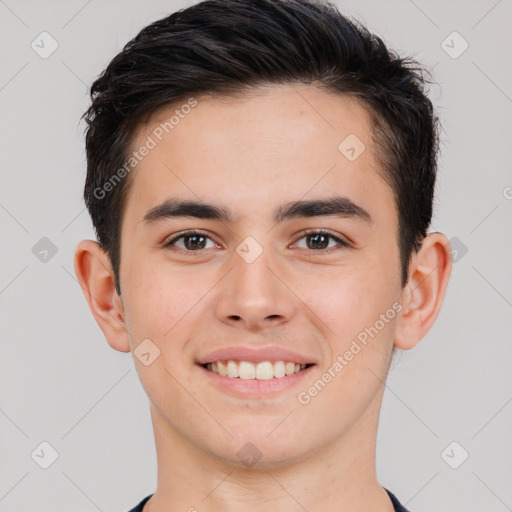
{"type": "Point", "coordinates": [161, 302]}
{"type": "Point", "coordinates": [161, 309]}
{"type": "Point", "coordinates": [360, 344]}
{"type": "Point", "coordinates": [347, 302]}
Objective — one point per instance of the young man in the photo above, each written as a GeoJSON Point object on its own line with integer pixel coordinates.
{"type": "Point", "coordinates": [260, 177]}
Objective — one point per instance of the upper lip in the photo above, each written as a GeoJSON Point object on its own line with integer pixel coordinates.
{"type": "Point", "coordinates": [254, 355]}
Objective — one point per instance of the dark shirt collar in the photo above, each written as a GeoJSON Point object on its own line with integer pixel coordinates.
{"type": "Point", "coordinates": [398, 506]}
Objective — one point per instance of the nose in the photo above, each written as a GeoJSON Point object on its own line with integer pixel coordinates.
{"type": "Point", "coordinates": [255, 296]}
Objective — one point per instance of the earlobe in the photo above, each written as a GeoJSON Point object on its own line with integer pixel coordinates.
{"type": "Point", "coordinates": [422, 297]}
{"type": "Point", "coordinates": [94, 273]}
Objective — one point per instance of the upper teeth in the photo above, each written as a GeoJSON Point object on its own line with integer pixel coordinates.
{"type": "Point", "coordinates": [262, 370]}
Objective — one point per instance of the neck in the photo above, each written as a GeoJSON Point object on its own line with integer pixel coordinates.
{"type": "Point", "coordinates": [339, 477]}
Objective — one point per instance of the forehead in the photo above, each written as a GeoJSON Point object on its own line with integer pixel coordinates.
{"type": "Point", "coordinates": [274, 143]}
{"type": "Point", "coordinates": [307, 113]}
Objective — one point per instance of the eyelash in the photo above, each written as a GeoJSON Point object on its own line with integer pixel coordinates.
{"type": "Point", "coordinates": [169, 245]}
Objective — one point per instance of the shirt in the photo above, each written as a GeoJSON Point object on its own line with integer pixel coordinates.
{"type": "Point", "coordinates": [394, 500]}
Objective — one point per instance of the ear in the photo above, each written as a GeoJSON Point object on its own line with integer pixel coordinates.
{"type": "Point", "coordinates": [94, 272]}
{"type": "Point", "coordinates": [422, 297]}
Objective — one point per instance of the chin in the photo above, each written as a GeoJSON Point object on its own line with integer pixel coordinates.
{"type": "Point", "coordinates": [256, 452]}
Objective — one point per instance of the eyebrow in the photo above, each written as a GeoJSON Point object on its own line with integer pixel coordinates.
{"type": "Point", "coordinates": [335, 206]}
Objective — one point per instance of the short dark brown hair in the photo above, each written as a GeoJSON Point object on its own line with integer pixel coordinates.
{"type": "Point", "coordinates": [228, 47]}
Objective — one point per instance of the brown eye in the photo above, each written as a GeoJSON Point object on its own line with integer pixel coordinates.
{"type": "Point", "coordinates": [192, 242]}
{"type": "Point", "coordinates": [319, 241]}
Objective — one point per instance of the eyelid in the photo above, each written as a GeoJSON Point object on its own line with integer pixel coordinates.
{"type": "Point", "coordinates": [189, 232]}
{"type": "Point", "coordinates": [323, 231]}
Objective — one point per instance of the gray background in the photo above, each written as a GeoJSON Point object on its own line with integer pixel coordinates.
{"type": "Point", "coordinates": [60, 382]}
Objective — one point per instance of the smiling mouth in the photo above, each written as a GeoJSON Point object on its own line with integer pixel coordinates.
{"type": "Point", "coordinates": [246, 370]}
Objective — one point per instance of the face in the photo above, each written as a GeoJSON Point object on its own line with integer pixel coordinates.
{"type": "Point", "coordinates": [261, 280]}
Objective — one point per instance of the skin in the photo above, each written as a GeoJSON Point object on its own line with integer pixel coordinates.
{"type": "Point", "coordinates": [251, 155]}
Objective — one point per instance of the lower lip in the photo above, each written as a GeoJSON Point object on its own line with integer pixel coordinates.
{"type": "Point", "coordinates": [253, 388]}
